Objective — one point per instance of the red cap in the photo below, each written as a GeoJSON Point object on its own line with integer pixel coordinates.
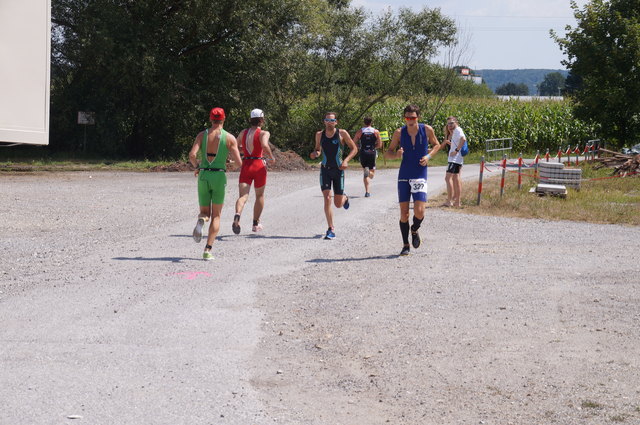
{"type": "Point", "coordinates": [216, 114]}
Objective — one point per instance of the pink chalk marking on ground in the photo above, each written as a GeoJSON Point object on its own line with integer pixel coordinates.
{"type": "Point", "coordinates": [192, 275]}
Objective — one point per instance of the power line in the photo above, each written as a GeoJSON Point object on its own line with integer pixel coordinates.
{"type": "Point", "coordinates": [513, 16]}
{"type": "Point", "coordinates": [511, 29]}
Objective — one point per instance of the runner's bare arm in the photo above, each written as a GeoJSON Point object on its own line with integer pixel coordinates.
{"type": "Point", "coordinates": [193, 153]}
{"type": "Point", "coordinates": [378, 139]}
{"type": "Point", "coordinates": [452, 152]}
{"type": "Point", "coordinates": [232, 146]}
{"type": "Point", "coordinates": [357, 136]}
{"type": "Point", "coordinates": [317, 150]}
{"type": "Point", "coordinates": [239, 139]}
{"type": "Point", "coordinates": [434, 141]}
{"type": "Point", "coordinates": [264, 141]}
{"type": "Point", "coordinates": [346, 138]}
{"type": "Point", "coordinates": [392, 153]}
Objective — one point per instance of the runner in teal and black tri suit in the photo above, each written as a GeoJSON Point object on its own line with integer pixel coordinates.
{"type": "Point", "coordinates": [330, 142]}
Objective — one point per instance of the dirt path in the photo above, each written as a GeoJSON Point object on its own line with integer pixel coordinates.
{"type": "Point", "coordinates": [108, 312]}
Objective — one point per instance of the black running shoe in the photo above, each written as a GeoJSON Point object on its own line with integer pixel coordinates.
{"type": "Point", "coordinates": [235, 226]}
{"type": "Point", "coordinates": [346, 203]}
{"type": "Point", "coordinates": [415, 239]}
{"type": "Point", "coordinates": [405, 250]}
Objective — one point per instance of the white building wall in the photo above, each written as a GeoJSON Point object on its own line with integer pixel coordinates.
{"type": "Point", "coordinates": [25, 55]}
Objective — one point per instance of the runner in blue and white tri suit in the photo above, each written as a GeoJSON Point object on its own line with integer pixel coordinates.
{"type": "Point", "coordinates": [411, 144]}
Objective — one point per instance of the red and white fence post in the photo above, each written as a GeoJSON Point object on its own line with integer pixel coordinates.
{"type": "Point", "coordinates": [559, 156]}
{"type": "Point", "coordinates": [504, 172]}
{"type": "Point", "coordinates": [480, 179]}
{"type": "Point", "coordinates": [520, 171]}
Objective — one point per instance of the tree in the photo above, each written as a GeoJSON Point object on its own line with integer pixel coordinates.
{"type": "Point", "coordinates": [552, 85]}
{"type": "Point", "coordinates": [351, 67]}
{"type": "Point", "coordinates": [513, 89]}
{"type": "Point", "coordinates": [150, 69]}
{"type": "Point", "coordinates": [603, 54]}
{"type": "Point", "coordinates": [370, 60]}
{"type": "Point", "coordinates": [572, 84]}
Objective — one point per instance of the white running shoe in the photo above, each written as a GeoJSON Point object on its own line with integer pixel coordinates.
{"type": "Point", "coordinates": [257, 228]}
{"type": "Point", "coordinates": [197, 231]}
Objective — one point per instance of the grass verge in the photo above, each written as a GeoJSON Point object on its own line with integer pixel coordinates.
{"type": "Point", "coordinates": [78, 165]}
{"type": "Point", "coordinates": [600, 200]}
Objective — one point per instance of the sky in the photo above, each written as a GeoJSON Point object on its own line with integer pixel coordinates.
{"type": "Point", "coordinates": [502, 34]}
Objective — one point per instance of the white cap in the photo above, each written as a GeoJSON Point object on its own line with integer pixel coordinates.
{"type": "Point", "coordinates": [257, 113]}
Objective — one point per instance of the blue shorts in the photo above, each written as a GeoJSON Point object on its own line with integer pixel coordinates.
{"type": "Point", "coordinates": [405, 195]}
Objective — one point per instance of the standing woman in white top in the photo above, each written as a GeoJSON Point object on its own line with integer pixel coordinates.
{"type": "Point", "coordinates": [455, 138]}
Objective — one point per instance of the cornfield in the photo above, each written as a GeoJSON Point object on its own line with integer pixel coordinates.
{"type": "Point", "coordinates": [533, 125]}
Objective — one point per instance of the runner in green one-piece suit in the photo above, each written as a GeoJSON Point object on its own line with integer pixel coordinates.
{"type": "Point", "coordinates": [215, 145]}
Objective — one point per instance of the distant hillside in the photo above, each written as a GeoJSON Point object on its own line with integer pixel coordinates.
{"type": "Point", "coordinates": [497, 77]}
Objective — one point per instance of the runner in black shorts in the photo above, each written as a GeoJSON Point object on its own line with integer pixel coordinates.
{"type": "Point", "coordinates": [330, 142]}
{"type": "Point", "coordinates": [454, 168]}
{"type": "Point", "coordinates": [455, 138]}
{"type": "Point", "coordinates": [370, 140]}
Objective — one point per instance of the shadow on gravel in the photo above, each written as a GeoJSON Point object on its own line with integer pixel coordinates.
{"type": "Point", "coordinates": [204, 237]}
{"type": "Point", "coordinates": [169, 259]}
{"type": "Point", "coordinates": [283, 237]}
{"type": "Point", "coordinates": [340, 260]}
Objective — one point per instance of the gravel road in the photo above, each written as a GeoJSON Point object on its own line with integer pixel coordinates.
{"type": "Point", "coordinates": [110, 316]}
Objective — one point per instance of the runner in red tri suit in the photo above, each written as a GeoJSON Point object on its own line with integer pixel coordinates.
{"type": "Point", "coordinates": [254, 143]}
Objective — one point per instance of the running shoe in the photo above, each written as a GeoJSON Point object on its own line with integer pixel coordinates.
{"type": "Point", "coordinates": [207, 255]}
{"type": "Point", "coordinates": [330, 234]}
{"type": "Point", "coordinates": [366, 172]}
{"type": "Point", "coordinates": [257, 227]}
{"type": "Point", "coordinates": [235, 226]}
{"type": "Point", "coordinates": [405, 250]}
{"type": "Point", "coordinates": [346, 204]}
{"type": "Point", "coordinates": [367, 194]}
{"type": "Point", "coordinates": [197, 231]}
{"type": "Point", "coordinates": [415, 239]}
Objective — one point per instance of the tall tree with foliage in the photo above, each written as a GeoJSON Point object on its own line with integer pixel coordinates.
{"type": "Point", "coordinates": [603, 54]}
{"type": "Point", "coordinates": [552, 85]}
{"type": "Point", "coordinates": [151, 69]}
{"type": "Point", "coordinates": [513, 89]}
{"type": "Point", "coordinates": [363, 60]}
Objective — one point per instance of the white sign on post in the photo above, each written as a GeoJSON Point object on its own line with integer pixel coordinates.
{"type": "Point", "coordinates": [86, 118]}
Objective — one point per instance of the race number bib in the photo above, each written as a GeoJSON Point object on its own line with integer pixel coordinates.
{"type": "Point", "coordinates": [418, 185]}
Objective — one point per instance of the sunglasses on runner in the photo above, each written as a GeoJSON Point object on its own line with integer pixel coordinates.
{"type": "Point", "coordinates": [410, 118]}
{"type": "Point", "coordinates": [330, 120]}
